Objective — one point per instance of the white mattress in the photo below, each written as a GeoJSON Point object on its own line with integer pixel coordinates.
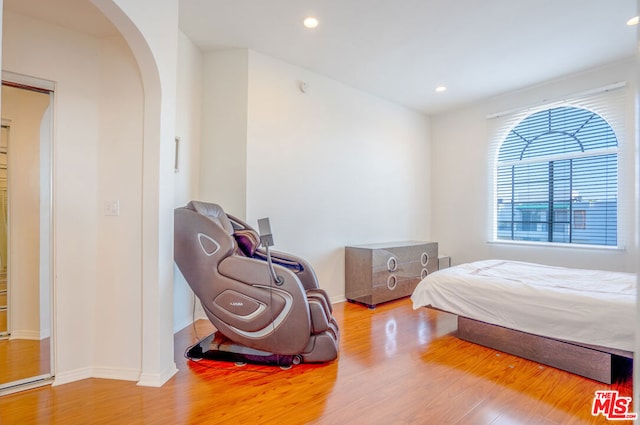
{"type": "Point", "coordinates": [585, 306]}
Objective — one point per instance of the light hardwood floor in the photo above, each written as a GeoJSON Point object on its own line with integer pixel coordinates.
{"type": "Point", "coordinates": [23, 358]}
{"type": "Point", "coordinates": [396, 366]}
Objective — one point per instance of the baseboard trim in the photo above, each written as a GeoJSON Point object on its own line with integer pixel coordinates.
{"type": "Point", "coordinates": [338, 299]}
{"type": "Point", "coordinates": [157, 379]}
{"type": "Point", "coordinates": [120, 374]}
{"type": "Point", "coordinates": [72, 376]}
{"type": "Point", "coordinates": [30, 335]}
{"type": "Point", "coordinates": [96, 372]}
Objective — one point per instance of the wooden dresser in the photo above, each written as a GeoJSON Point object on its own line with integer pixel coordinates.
{"type": "Point", "coordinates": [387, 271]}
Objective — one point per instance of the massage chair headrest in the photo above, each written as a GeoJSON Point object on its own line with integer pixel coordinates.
{"type": "Point", "coordinates": [213, 212]}
{"type": "Point", "coordinates": [247, 240]}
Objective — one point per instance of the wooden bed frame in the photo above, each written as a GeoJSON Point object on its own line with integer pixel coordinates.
{"type": "Point", "coordinates": [594, 362]}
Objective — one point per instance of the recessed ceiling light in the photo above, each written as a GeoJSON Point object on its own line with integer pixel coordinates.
{"type": "Point", "coordinates": [310, 22]}
{"type": "Point", "coordinates": [633, 21]}
{"type": "Point", "coordinates": [441, 89]}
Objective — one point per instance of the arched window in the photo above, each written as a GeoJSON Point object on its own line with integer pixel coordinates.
{"type": "Point", "coordinates": [557, 179]}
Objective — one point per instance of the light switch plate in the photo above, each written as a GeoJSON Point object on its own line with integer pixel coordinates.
{"type": "Point", "coordinates": [112, 207]}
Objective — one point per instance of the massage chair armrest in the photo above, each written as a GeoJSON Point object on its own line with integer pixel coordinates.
{"type": "Point", "coordinates": [291, 321]}
{"type": "Point", "coordinates": [255, 272]}
{"type": "Point", "coordinates": [298, 265]}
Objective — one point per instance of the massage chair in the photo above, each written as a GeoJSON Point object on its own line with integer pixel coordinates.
{"type": "Point", "coordinates": [266, 306]}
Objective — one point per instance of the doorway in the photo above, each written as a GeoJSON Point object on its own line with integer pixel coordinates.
{"type": "Point", "coordinates": [25, 241]}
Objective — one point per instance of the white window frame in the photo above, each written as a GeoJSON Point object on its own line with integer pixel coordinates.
{"type": "Point", "coordinates": [609, 102]}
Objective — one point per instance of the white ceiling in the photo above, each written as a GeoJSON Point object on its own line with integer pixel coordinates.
{"type": "Point", "coordinates": [78, 15]}
{"type": "Point", "coordinates": [401, 50]}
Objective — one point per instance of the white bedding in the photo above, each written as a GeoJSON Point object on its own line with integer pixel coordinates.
{"type": "Point", "coordinates": [585, 306]}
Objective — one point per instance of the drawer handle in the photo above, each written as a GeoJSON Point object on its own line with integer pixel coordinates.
{"type": "Point", "coordinates": [392, 282]}
{"type": "Point", "coordinates": [392, 264]}
{"type": "Point", "coordinates": [424, 273]}
{"type": "Point", "coordinates": [424, 259]}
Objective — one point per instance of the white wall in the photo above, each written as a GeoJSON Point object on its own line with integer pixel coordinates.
{"type": "Point", "coordinates": [72, 61]}
{"type": "Point", "coordinates": [97, 150]}
{"type": "Point", "coordinates": [460, 181]}
{"type": "Point", "coordinates": [150, 28]}
{"type": "Point", "coordinates": [33, 48]}
{"type": "Point", "coordinates": [119, 244]}
{"type": "Point", "coordinates": [223, 166]}
{"type": "Point", "coordinates": [188, 120]}
{"type": "Point", "coordinates": [332, 167]}
{"type": "Point", "coordinates": [187, 178]}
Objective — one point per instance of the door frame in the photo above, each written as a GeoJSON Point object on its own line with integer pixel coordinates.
{"type": "Point", "coordinates": [45, 86]}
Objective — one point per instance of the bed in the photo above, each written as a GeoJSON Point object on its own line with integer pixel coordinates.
{"type": "Point", "coordinates": [581, 321]}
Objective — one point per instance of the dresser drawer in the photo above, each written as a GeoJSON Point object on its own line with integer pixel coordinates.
{"type": "Point", "coordinates": [393, 288]}
{"type": "Point", "coordinates": [419, 253]}
{"type": "Point", "coordinates": [384, 272]}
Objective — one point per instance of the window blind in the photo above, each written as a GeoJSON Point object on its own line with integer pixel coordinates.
{"type": "Point", "coordinates": [555, 171]}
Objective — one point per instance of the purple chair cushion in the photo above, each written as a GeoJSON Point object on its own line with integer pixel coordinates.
{"type": "Point", "coordinates": [248, 241]}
